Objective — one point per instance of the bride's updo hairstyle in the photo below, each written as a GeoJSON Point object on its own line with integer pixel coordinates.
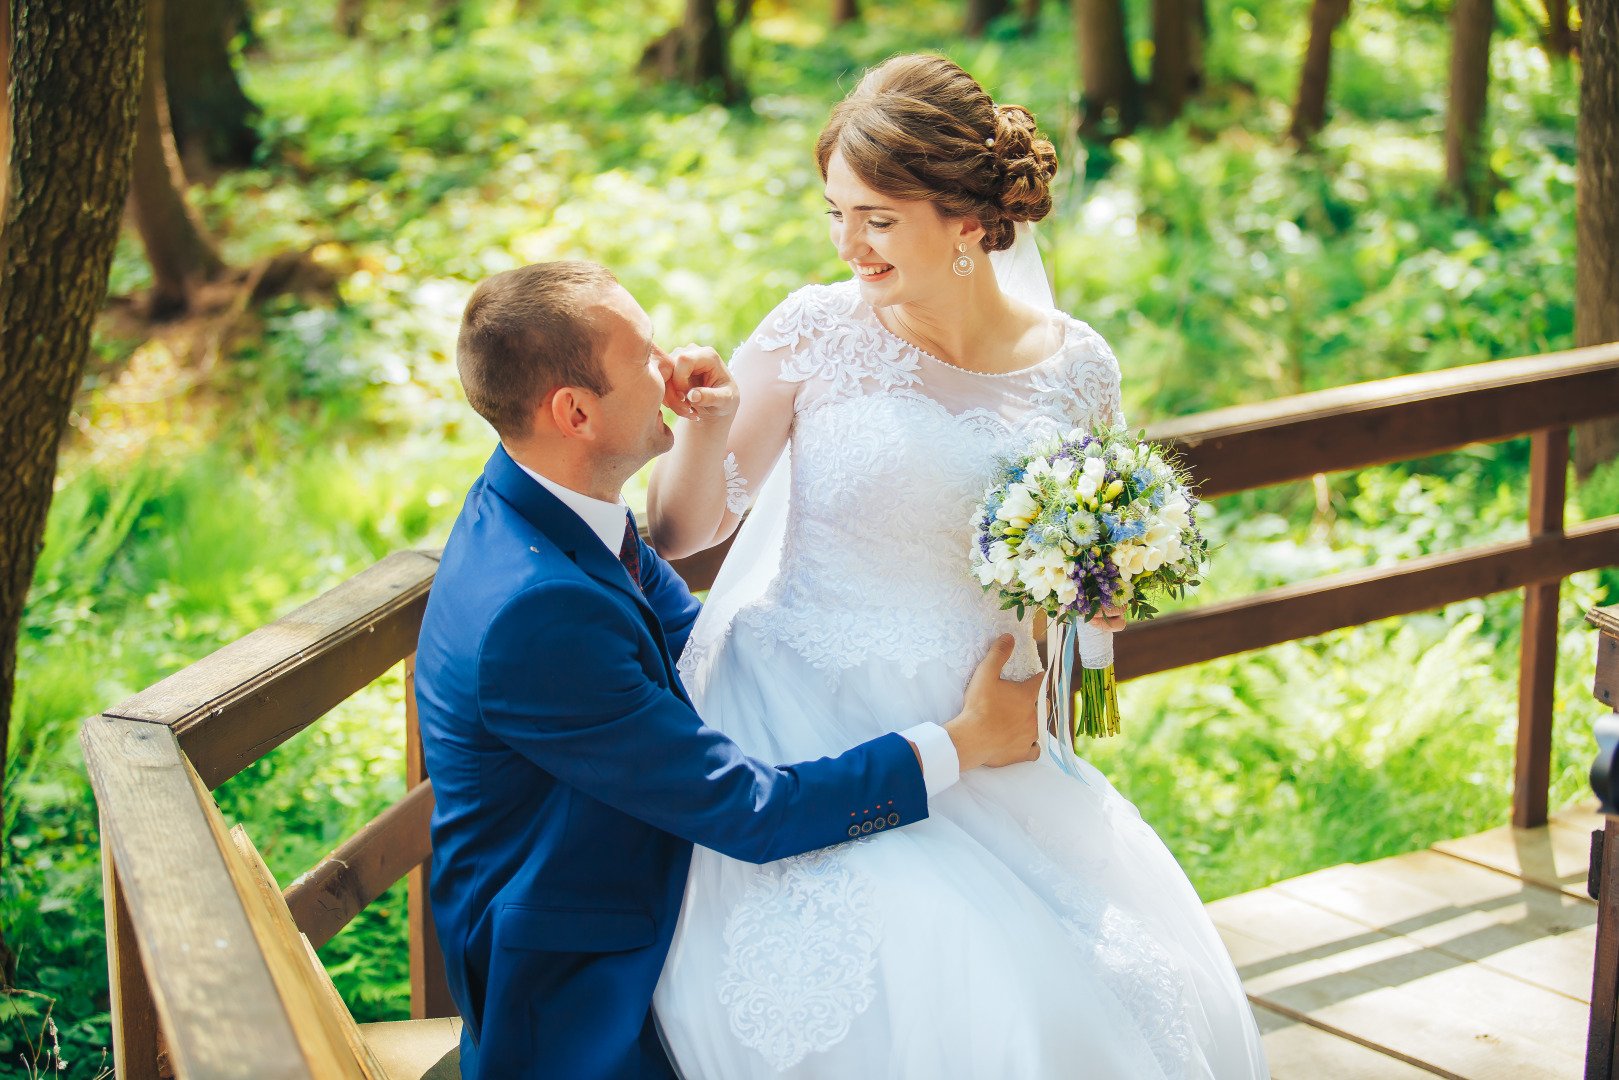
{"type": "Point", "coordinates": [919, 127]}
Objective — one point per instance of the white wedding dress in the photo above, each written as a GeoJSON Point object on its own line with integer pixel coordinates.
{"type": "Point", "coordinates": [1033, 927]}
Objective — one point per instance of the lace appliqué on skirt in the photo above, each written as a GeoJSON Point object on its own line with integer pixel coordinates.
{"type": "Point", "coordinates": [1134, 967]}
{"type": "Point", "coordinates": [802, 951]}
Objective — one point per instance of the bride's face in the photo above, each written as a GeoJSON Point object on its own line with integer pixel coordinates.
{"type": "Point", "coordinates": [899, 249]}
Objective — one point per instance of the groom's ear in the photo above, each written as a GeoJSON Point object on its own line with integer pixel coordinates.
{"type": "Point", "coordinates": [573, 411]}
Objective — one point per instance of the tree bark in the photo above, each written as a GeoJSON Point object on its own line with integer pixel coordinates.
{"type": "Point", "coordinates": [211, 117]}
{"type": "Point", "coordinates": [1110, 97]}
{"type": "Point", "coordinates": [1171, 80]}
{"type": "Point", "coordinates": [980, 13]}
{"type": "Point", "coordinates": [845, 11]}
{"type": "Point", "coordinates": [5, 106]}
{"type": "Point", "coordinates": [75, 87]}
{"type": "Point", "coordinates": [1310, 110]}
{"type": "Point", "coordinates": [1596, 213]}
{"type": "Point", "coordinates": [177, 245]}
{"type": "Point", "coordinates": [1467, 171]}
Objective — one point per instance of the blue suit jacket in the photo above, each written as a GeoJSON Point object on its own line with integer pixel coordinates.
{"type": "Point", "coordinates": [572, 776]}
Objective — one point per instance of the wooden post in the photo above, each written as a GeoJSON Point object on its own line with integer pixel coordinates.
{"type": "Point", "coordinates": [429, 990]}
{"type": "Point", "coordinates": [1537, 659]}
{"type": "Point", "coordinates": [134, 1017]}
{"type": "Point", "coordinates": [1599, 1044]}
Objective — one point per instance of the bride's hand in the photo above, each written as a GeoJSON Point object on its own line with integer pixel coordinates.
{"type": "Point", "coordinates": [700, 387]}
{"type": "Point", "coordinates": [1111, 618]}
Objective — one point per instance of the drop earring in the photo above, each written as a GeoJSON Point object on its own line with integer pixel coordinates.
{"type": "Point", "coordinates": [963, 264]}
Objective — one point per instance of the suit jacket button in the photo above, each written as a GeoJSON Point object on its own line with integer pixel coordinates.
{"type": "Point", "coordinates": [879, 823]}
{"type": "Point", "coordinates": [865, 827]}
{"type": "Point", "coordinates": [854, 830]}
{"type": "Point", "coordinates": [893, 819]}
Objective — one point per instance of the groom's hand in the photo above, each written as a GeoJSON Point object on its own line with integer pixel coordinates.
{"type": "Point", "coordinates": [700, 386]}
{"type": "Point", "coordinates": [998, 724]}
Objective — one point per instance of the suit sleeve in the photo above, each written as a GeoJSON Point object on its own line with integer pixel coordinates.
{"type": "Point", "coordinates": [563, 678]}
{"type": "Point", "coordinates": [667, 595]}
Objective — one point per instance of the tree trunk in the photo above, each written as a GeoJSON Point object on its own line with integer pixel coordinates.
{"type": "Point", "coordinates": [1110, 100]}
{"type": "Point", "coordinates": [75, 87]}
{"type": "Point", "coordinates": [212, 118]}
{"type": "Point", "coordinates": [1171, 58]}
{"type": "Point", "coordinates": [177, 245]}
{"type": "Point", "coordinates": [1467, 170]}
{"type": "Point", "coordinates": [1596, 214]}
{"type": "Point", "coordinates": [1031, 16]}
{"type": "Point", "coordinates": [1559, 38]}
{"type": "Point", "coordinates": [5, 109]}
{"type": "Point", "coordinates": [350, 13]}
{"type": "Point", "coordinates": [1310, 110]}
{"type": "Point", "coordinates": [697, 52]}
{"type": "Point", "coordinates": [1200, 41]}
{"type": "Point", "coordinates": [980, 13]}
{"type": "Point", "coordinates": [845, 11]}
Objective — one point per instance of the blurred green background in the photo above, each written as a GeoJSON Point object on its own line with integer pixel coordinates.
{"type": "Point", "coordinates": [196, 503]}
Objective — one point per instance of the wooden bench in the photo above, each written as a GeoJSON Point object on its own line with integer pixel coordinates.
{"type": "Point", "coordinates": [191, 954]}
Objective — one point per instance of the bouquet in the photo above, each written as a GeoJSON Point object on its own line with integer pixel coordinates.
{"type": "Point", "coordinates": [1074, 526]}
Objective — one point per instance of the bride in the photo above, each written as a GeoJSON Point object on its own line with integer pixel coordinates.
{"type": "Point", "coordinates": [1033, 926]}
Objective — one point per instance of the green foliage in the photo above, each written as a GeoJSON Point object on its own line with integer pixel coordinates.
{"type": "Point", "coordinates": [1223, 266]}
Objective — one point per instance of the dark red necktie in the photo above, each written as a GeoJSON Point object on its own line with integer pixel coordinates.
{"type": "Point", "coordinates": [629, 552]}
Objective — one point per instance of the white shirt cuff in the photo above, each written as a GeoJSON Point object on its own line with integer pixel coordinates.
{"type": "Point", "coordinates": [940, 765]}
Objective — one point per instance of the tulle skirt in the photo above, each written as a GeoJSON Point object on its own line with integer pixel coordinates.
{"type": "Point", "coordinates": [1032, 927]}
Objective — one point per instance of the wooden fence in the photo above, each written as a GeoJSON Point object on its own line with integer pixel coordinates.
{"type": "Point", "coordinates": [182, 956]}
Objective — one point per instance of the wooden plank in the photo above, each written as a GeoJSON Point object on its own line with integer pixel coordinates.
{"type": "Point", "coordinates": [417, 1049]}
{"type": "Point", "coordinates": [134, 1017]}
{"type": "Point", "coordinates": [211, 987]}
{"type": "Point", "coordinates": [1298, 1048]}
{"type": "Point", "coordinates": [331, 1037]}
{"type": "Point", "coordinates": [1537, 654]}
{"type": "Point", "coordinates": [237, 704]}
{"type": "Point", "coordinates": [429, 983]}
{"type": "Point", "coordinates": [1459, 1017]}
{"type": "Point", "coordinates": [1601, 1043]}
{"type": "Point", "coordinates": [1373, 423]}
{"type": "Point", "coordinates": [366, 865]}
{"type": "Point", "coordinates": [1605, 688]}
{"type": "Point", "coordinates": [1465, 911]}
{"type": "Point", "coordinates": [1554, 856]}
{"type": "Point", "coordinates": [313, 1025]}
{"type": "Point", "coordinates": [1360, 596]}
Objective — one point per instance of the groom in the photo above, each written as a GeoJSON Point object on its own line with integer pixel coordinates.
{"type": "Point", "coordinates": [570, 772]}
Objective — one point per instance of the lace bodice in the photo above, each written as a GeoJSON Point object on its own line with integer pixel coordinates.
{"type": "Point", "coordinates": [891, 450]}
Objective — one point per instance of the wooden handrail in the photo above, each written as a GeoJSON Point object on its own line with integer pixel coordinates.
{"type": "Point", "coordinates": [206, 975]}
{"type": "Point", "coordinates": [1361, 596]}
{"type": "Point", "coordinates": [1374, 423]}
{"type": "Point", "coordinates": [234, 706]}
{"type": "Point", "coordinates": [339, 887]}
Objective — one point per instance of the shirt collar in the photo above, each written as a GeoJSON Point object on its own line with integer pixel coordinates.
{"type": "Point", "coordinates": [606, 519]}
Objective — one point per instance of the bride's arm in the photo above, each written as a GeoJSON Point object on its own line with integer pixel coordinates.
{"type": "Point", "coordinates": [699, 489]}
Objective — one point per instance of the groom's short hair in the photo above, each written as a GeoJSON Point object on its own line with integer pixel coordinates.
{"type": "Point", "coordinates": [524, 334]}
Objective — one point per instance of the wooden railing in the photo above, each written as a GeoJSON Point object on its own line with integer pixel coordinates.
{"type": "Point", "coordinates": [183, 958]}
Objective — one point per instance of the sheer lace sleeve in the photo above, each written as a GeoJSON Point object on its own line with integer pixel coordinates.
{"type": "Point", "coordinates": [1084, 386]}
{"type": "Point", "coordinates": [763, 367]}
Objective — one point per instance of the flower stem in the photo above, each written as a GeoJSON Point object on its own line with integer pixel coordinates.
{"type": "Point", "coordinates": [1096, 704]}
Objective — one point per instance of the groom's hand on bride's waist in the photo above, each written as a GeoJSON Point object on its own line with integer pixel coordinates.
{"type": "Point", "coordinates": [997, 724]}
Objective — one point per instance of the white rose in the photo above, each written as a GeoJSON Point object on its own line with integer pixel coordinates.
{"type": "Point", "coordinates": [1019, 508]}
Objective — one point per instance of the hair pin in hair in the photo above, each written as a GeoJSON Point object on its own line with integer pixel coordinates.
{"type": "Point", "coordinates": [990, 143]}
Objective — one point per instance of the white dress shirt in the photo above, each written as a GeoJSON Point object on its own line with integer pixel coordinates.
{"type": "Point", "coordinates": [941, 767]}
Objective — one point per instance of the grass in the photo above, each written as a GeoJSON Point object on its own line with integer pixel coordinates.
{"type": "Point", "coordinates": [1223, 266]}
